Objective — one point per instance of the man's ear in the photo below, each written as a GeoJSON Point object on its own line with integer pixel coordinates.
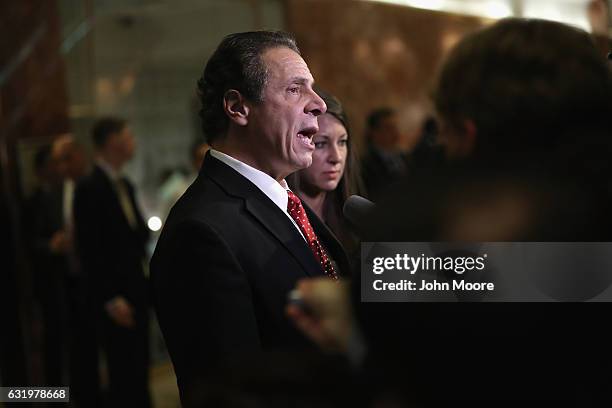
{"type": "Point", "coordinates": [236, 107]}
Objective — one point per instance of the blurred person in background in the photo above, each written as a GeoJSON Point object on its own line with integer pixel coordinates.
{"type": "Point", "coordinates": [111, 238]}
{"type": "Point", "coordinates": [45, 170]}
{"type": "Point", "coordinates": [383, 162]}
{"type": "Point", "coordinates": [49, 245]}
{"type": "Point", "coordinates": [176, 183]}
{"type": "Point", "coordinates": [600, 20]}
{"type": "Point", "coordinates": [71, 158]}
{"type": "Point", "coordinates": [551, 92]}
{"type": "Point", "coordinates": [504, 353]}
{"type": "Point", "coordinates": [333, 175]}
{"type": "Point", "coordinates": [428, 152]}
{"type": "Point", "coordinates": [73, 165]}
{"type": "Point", "coordinates": [527, 101]}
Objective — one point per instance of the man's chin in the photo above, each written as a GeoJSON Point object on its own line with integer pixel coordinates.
{"type": "Point", "coordinates": [303, 162]}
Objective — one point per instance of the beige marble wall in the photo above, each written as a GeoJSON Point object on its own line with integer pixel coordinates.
{"type": "Point", "coordinates": [33, 98]}
{"type": "Point", "coordinates": [373, 54]}
{"type": "Point", "coordinates": [33, 78]}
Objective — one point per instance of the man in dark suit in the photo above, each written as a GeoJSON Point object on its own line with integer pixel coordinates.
{"type": "Point", "coordinates": [238, 240]}
{"type": "Point", "coordinates": [72, 165]}
{"type": "Point", "coordinates": [382, 163]}
{"type": "Point", "coordinates": [49, 244]}
{"type": "Point", "coordinates": [111, 237]}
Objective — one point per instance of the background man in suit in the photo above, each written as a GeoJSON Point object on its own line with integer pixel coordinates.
{"type": "Point", "coordinates": [48, 247]}
{"type": "Point", "coordinates": [383, 163]}
{"type": "Point", "coordinates": [58, 167]}
{"type": "Point", "coordinates": [111, 237]}
{"type": "Point", "coordinates": [238, 240]}
{"type": "Point", "coordinates": [72, 165]}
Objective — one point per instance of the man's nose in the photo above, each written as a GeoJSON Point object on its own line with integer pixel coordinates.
{"type": "Point", "coordinates": [317, 105]}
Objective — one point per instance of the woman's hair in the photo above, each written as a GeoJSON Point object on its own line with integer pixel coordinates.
{"type": "Point", "coordinates": [350, 182]}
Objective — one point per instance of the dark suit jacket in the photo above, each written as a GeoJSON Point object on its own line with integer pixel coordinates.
{"type": "Point", "coordinates": [110, 251]}
{"type": "Point", "coordinates": [222, 269]}
{"type": "Point", "coordinates": [43, 218]}
{"type": "Point", "coordinates": [378, 174]}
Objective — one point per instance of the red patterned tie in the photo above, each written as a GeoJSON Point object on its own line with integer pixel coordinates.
{"type": "Point", "coordinates": [296, 211]}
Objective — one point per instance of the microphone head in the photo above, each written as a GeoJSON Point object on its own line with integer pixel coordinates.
{"type": "Point", "coordinates": [357, 208]}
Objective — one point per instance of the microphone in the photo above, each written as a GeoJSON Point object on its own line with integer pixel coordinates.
{"type": "Point", "coordinates": [357, 208]}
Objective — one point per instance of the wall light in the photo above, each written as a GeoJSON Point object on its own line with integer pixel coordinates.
{"type": "Point", "coordinates": [154, 223]}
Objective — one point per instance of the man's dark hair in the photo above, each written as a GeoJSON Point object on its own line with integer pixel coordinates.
{"type": "Point", "coordinates": [350, 183]}
{"type": "Point", "coordinates": [524, 83]}
{"type": "Point", "coordinates": [105, 127]}
{"type": "Point", "coordinates": [236, 64]}
{"type": "Point", "coordinates": [334, 107]}
{"type": "Point", "coordinates": [377, 116]}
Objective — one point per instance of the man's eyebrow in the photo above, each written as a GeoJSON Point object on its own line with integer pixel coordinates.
{"type": "Point", "coordinates": [300, 80]}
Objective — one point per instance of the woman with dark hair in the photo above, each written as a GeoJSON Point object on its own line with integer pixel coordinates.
{"type": "Point", "coordinates": [332, 177]}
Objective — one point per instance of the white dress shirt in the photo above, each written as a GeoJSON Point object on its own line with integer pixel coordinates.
{"type": "Point", "coordinates": [108, 170]}
{"type": "Point", "coordinates": [274, 190]}
{"type": "Point", "coordinates": [67, 201]}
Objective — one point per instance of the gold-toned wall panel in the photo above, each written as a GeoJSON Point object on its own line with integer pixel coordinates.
{"type": "Point", "coordinates": [33, 86]}
{"type": "Point", "coordinates": [372, 54]}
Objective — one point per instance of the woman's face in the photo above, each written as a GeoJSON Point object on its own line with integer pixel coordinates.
{"type": "Point", "coordinates": [329, 156]}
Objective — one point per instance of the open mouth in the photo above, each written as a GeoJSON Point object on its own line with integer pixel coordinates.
{"type": "Point", "coordinates": [305, 136]}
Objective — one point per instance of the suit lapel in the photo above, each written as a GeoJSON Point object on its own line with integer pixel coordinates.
{"type": "Point", "coordinates": [110, 193]}
{"type": "Point", "coordinates": [264, 211]}
{"type": "Point", "coordinates": [283, 229]}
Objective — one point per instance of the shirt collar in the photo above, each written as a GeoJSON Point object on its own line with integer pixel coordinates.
{"type": "Point", "coordinates": [274, 190]}
{"type": "Point", "coordinates": [108, 169]}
